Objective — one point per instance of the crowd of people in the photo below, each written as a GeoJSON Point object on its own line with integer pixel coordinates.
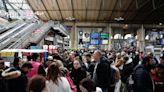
{"type": "Point", "coordinates": [85, 71]}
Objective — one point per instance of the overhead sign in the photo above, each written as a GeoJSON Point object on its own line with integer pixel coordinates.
{"type": "Point", "coordinates": [7, 54]}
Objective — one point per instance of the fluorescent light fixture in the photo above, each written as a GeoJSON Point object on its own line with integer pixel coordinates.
{"type": "Point", "coordinates": [119, 19]}
{"type": "Point", "coordinates": [70, 18]}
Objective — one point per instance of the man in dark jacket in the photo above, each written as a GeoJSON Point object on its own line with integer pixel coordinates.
{"type": "Point", "coordinates": [87, 64]}
{"type": "Point", "coordinates": [142, 79]}
{"type": "Point", "coordinates": [17, 79]}
{"type": "Point", "coordinates": [101, 74]}
{"type": "Point", "coordinates": [3, 84]}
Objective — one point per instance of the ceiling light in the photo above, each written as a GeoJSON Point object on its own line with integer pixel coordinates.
{"type": "Point", "coordinates": [70, 18]}
{"type": "Point", "coordinates": [160, 24]}
{"type": "Point", "coordinates": [119, 19]}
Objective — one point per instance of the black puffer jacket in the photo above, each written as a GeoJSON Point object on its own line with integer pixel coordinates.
{"type": "Point", "coordinates": [142, 80]}
{"type": "Point", "coordinates": [103, 73]}
{"type": "Point", "coordinates": [77, 76]}
{"type": "Point", "coordinates": [16, 81]}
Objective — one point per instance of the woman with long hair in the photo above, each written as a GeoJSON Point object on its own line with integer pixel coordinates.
{"type": "Point", "coordinates": [55, 82]}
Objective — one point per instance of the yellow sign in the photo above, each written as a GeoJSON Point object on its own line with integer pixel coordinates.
{"type": "Point", "coordinates": [7, 54]}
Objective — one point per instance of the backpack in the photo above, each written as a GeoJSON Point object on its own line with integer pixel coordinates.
{"type": "Point", "coordinates": [130, 80]}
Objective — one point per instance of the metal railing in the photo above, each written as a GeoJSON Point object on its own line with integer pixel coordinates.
{"type": "Point", "coordinates": [23, 38]}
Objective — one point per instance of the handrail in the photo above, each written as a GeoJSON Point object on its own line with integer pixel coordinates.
{"type": "Point", "coordinates": [10, 25]}
{"type": "Point", "coordinates": [10, 32]}
{"type": "Point", "coordinates": [36, 37]}
{"type": "Point", "coordinates": [11, 39]}
{"type": "Point", "coordinates": [24, 37]}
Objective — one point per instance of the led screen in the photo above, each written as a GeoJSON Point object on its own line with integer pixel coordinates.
{"type": "Point", "coordinates": [104, 35]}
{"type": "Point", "coordinates": [94, 35]}
{"type": "Point", "coordinates": [103, 42]}
{"type": "Point", "coordinates": [93, 41]}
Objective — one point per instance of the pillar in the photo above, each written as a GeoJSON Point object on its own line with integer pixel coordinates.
{"type": "Point", "coordinates": [76, 38]}
{"type": "Point", "coordinates": [141, 39]}
{"type": "Point", "coordinates": [54, 39]}
{"type": "Point", "coordinates": [73, 37]}
{"type": "Point", "coordinates": [109, 28]}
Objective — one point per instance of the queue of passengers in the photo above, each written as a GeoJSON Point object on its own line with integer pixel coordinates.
{"type": "Point", "coordinates": [85, 71]}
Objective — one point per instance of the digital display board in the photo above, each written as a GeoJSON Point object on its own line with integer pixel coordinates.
{"type": "Point", "coordinates": [94, 41]}
{"type": "Point", "coordinates": [104, 35]}
{"type": "Point", "coordinates": [94, 35]}
{"type": "Point", "coordinates": [104, 42]}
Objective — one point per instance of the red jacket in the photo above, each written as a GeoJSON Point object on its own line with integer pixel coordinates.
{"type": "Point", "coordinates": [158, 77]}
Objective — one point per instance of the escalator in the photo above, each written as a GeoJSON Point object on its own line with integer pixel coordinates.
{"type": "Point", "coordinates": [23, 37]}
{"type": "Point", "coordinates": [36, 37]}
{"type": "Point", "coordinates": [9, 26]}
{"type": "Point", "coordinates": [32, 31]}
{"type": "Point", "coordinates": [9, 38]}
{"type": "Point", "coordinates": [9, 33]}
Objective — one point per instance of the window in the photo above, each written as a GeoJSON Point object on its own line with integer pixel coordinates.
{"type": "Point", "coordinates": [128, 36]}
{"type": "Point", "coordinates": [118, 36]}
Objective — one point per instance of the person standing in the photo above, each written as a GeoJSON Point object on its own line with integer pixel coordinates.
{"type": "Point", "coordinates": [101, 74]}
{"type": "Point", "coordinates": [143, 81]}
{"type": "Point", "coordinates": [56, 83]}
{"type": "Point", "coordinates": [78, 73]}
{"type": "Point", "coordinates": [3, 84]}
{"type": "Point", "coordinates": [37, 84]}
{"type": "Point", "coordinates": [38, 68]}
{"type": "Point", "coordinates": [16, 79]}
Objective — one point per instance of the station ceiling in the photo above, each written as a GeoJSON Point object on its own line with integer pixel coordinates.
{"type": "Point", "coordinates": [128, 11]}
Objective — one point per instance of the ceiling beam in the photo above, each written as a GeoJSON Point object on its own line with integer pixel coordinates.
{"type": "Point", "coordinates": [127, 10]}
{"type": "Point", "coordinates": [46, 9]}
{"type": "Point", "coordinates": [89, 10]}
{"type": "Point", "coordinates": [136, 4]}
{"type": "Point", "coordinates": [6, 9]}
{"type": "Point", "coordinates": [113, 10]}
{"type": "Point", "coordinates": [101, 4]}
{"type": "Point", "coordinates": [59, 9]}
{"type": "Point", "coordinates": [153, 3]}
{"type": "Point", "coordinates": [86, 14]}
{"type": "Point", "coordinates": [152, 11]}
{"type": "Point", "coordinates": [73, 11]}
{"type": "Point", "coordinates": [139, 9]}
{"type": "Point", "coordinates": [13, 8]}
{"type": "Point", "coordinates": [103, 24]}
{"type": "Point", "coordinates": [28, 2]}
{"type": "Point", "coordinates": [142, 5]}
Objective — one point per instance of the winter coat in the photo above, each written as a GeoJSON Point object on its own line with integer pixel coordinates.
{"type": "Point", "coordinates": [77, 75]}
{"type": "Point", "coordinates": [16, 81]}
{"type": "Point", "coordinates": [126, 71]}
{"type": "Point", "coordinates": [103, 73]}
{"type": "Point", "coordinates": [158, 77]}
{"type": "Point", "coordinates": [142, 80]}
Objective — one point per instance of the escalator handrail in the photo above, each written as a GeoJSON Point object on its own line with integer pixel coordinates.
{"type": "Point", "coordinates": [10, 25]}
{"type": "Point", "coordinates": [10, 32]}
{"type": "Point", "coordinates": [23, 35]}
